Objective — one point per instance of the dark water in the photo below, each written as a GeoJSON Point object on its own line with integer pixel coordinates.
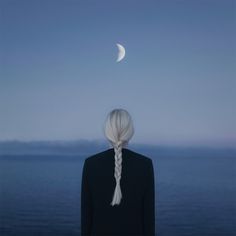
{"type": "Point", "coordinates": [195, 195]}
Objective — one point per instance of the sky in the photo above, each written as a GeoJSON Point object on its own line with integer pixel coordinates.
{"type": "Point", "coordinates": [59, 77]}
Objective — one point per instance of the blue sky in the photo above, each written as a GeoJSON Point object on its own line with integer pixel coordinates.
{"type": "Point", "coordinates": [59, 77]}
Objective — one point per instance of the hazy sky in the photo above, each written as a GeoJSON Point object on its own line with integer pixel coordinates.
{"type": "Point", "coordinates": [59, 77]}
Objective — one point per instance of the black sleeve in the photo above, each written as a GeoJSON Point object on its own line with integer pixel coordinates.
{"type": "Point", "coordinates": [149, 203]}
{"type": "Point", "coordinates": [86, 204]}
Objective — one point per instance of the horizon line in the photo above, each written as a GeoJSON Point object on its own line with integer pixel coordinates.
{"type": "Point", "coordinates": [104, 141]}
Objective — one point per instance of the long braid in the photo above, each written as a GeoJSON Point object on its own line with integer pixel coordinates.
{"type": "Point", "coordinates": [117, 173]}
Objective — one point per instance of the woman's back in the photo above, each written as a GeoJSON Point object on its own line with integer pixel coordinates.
{"type": "Point", "coordinates": [135, 215]}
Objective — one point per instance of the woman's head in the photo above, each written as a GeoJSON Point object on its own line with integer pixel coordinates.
{"type": "Point", "coordinates": [118, 130]}
{"type": "Point", "coordinates": [119, 127]}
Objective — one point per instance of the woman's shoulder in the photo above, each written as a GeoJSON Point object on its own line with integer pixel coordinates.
{"type": "Point", "coordinates": [137, 154]}
{"type": "Point", "coordinates": [126, 152]}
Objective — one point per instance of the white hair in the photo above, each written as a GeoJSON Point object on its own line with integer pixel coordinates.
{"type": "Point", "coordinates": [118, 130]}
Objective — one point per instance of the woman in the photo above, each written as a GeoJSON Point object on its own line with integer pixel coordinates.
{"type": "Point", "coordinates": [117, 189]}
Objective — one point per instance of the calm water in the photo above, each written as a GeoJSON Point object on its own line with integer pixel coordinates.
{"type": "Point", "coordinates": [195, 195]}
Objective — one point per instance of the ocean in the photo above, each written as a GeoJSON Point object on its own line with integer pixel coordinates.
{"type": "Point", "coordinates": [195, 194]}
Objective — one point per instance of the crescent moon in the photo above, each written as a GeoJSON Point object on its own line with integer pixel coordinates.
{"type": "Point", "coordinates": [121, 52]}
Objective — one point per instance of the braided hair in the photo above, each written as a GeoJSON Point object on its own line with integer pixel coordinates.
{"type": "Point", "coordinates": [118, 130]}
{"type": "Point", "coordinates": [118, 169]}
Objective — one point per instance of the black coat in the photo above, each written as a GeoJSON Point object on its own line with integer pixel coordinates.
{"type": "Point", "coordinates": [135, 216]}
